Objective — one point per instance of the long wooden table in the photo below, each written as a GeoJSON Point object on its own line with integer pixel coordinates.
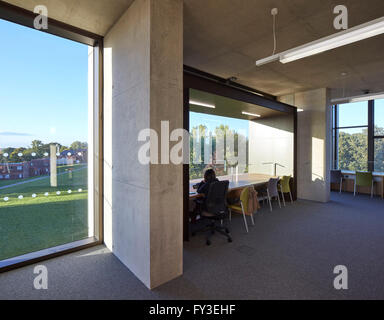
{"type": "Point", "coordinates": [235, 188]}
{"type": "Point", "coordinates": [348, 184]}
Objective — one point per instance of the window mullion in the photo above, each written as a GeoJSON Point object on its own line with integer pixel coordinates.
{"type": "Point", "coordinates": [371, 143]}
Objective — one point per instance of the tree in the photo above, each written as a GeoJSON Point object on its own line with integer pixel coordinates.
{"type": "Point", "coordinates": [353, 151]}
{"type": "Point", "coordinates": [77, 145]}
{"type": "Point", "coordinates": [14, 156]}
{"type": "Point", "coordinates": [222, 132]}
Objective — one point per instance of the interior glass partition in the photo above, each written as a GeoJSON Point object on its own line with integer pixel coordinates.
{"type": "Point", "coordinates": [256, 142]}
{"type": "Point", "coordinates": [48, 139]}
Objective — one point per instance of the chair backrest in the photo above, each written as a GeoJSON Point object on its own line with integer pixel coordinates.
{"type": "Point", "coordinates": [216, 200]}
{"type": "Point", "coordinates": [364, 179]}
{"type": "Point", "coordinates": [336, 176]}
{"type": "Point", "coordinates": [272, 187]}
{"type": "Point", "coordinates": [285, 184]}
{"type": "Point", "coordinates": [244, 198]}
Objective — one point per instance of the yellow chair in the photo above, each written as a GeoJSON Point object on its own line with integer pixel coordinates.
{"type": "Point", "coordinates": [243, 208]}
{"type": "Point", "coordinates": [363, 179]}
{"type": "Point", "coordinates": [285, 187]}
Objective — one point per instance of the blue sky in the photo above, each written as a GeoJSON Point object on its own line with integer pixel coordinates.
{"type": "Point", "coordinates": [43, 88]}
{"type": "Point", "coordinates": [356, 114]}
{"type": "Point", "coordinates": [379, 113]}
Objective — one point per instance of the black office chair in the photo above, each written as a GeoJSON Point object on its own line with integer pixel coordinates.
{"type": "Point", "coordinates": [215, 209]}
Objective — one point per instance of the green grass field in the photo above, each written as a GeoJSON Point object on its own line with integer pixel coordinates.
{"type": "Point", "coordinates": [32, 224]}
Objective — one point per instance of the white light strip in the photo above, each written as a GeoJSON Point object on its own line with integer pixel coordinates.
{"type": "Point", "coordinates": [206, 105]}
{"type": "Point", "coordinates": [358, 33]}
{"type": "Point", "coordinates": [266, 60]}
{"type": "Point", "coordinates": [365, 97]}
{"type": "Point", "coordinates": [251, 114]}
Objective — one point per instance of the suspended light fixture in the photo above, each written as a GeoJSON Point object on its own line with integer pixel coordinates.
{"type": "Point", "coordinates": [364, 97]}
{"type": "Point", "coordinates": [352, 35]}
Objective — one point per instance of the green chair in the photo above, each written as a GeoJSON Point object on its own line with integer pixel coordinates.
{"type": "Point", "coordinates": [363, 179]}
{"type": "Point", "coordinates": [243, 208]}
{"type": "Point", "coordinates": [285, 188]}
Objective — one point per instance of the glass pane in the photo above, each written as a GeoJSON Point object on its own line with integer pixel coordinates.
{"type": "Point", "coordinates": [334, 156]}
{"type": "Point", "coordinates": [353, 114]}
{"type": "Point", "coordinates": [43, 141]}
{"type": "Point", "coordinates": [379, 117]}
{"type": "Point", "coordinates": [240, 141]}
{"type": "Point", "coordinates": [379, 155]}
{"type": "Point", "coordinates": [205, 131]}
{"type": "Point", "coordinates": [353, 149]}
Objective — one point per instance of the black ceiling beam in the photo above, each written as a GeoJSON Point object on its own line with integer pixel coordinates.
{"type": "Point", "coordinates": [215, 85]}
{"type": "Point", "coordinates": [231, 83]}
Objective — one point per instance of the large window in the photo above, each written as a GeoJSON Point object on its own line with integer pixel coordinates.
{"type": "Point", "coordinates": [46, 142]}
{"type": "Point", "coordinates": [350, 134]}
{"type": "Point", "coordinates": [358, 136]}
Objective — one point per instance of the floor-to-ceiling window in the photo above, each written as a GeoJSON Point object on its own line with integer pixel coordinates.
{"type": "Point", "coordinates": [358, 136]}
{"type": "Point", "coordinates": [47, 142]}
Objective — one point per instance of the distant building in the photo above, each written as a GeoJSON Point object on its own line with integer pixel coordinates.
{"type": "Point", "coordinates": [71, 157]}
{"type": "Point", "coordinates": [22, 170]}
{"type": "Point", "coordinates": [40, 167]}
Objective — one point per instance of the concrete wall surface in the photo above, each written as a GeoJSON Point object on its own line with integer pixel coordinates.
{"type": "Point", "coordinates": [143, 207]}
{"type": "Point", "coordinates": [314, 143]}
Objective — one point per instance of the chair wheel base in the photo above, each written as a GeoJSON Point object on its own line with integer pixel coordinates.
{"type": "Point", "coordinates": [230, 240]}
{"type": "Point", "coordinates": [227, 231]}
{"type": "Point", "coordinates": [208, 243]}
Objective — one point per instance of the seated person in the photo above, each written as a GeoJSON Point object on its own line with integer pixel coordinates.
{"type": "Point", "coordinates": [209, 177]}
{"type": "Point", "coordinates": [203, 188]}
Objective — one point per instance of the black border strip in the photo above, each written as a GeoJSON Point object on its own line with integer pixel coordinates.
{"type": "Point", "coordinates": [228, 90]}
{"type": "Point", "coordinates": [42, 255]}
{"type": "Point", "coordinates": [203, 74]}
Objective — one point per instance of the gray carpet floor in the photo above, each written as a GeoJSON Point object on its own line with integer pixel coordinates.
{"type": "Point", "coordinates": [289, 254]}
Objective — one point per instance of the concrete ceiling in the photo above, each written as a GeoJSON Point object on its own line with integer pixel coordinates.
{"type": "Point", "coordinates": [227, 38]}
{"type": "Point", "coordinates": [96, 16]}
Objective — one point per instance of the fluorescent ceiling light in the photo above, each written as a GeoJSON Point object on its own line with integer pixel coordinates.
{"type": "Point", "coordinates": [300, 110]}
{"type": "Point", "coordinates": [355, 34]}
{"type": "Point", "coordinates": [364, 97]}
{"type": "Point", "coordinates": [201, 104]}
{"type": "Point", "coordinates": [267, 60]}
{"type": "Point", "coordinates": [251, 114]}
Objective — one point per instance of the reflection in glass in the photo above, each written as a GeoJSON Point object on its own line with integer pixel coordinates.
{"type": "Point", "coordinates": [239, 141]}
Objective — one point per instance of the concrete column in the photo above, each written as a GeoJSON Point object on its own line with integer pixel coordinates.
{"type": "Point", "coordinates": [314, 143]}
{"type": "Point", "coordinates": [53, 165]}
{"type": "Point", "coordinates": [143, 207]}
